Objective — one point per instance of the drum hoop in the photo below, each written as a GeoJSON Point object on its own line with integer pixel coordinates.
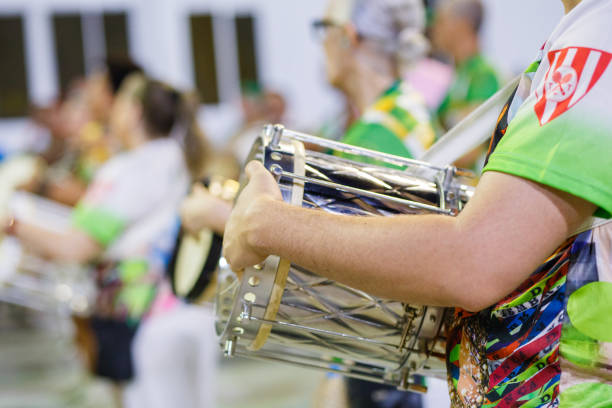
{"type": "Point", "coordinates": [209, 293]}
{"type": "Point", "coordinates": [282, 273]}
{"type": "Point", "coordinates": [278, 289]}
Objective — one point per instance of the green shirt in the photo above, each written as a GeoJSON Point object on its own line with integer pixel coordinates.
{"type": "Point", "coordinates": [475, 81]}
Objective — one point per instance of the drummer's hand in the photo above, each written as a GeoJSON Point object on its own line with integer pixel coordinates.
{"type": "Point", "coordinates": [7, 224]}
{"type": "Point", "coordinates": [240, 242]}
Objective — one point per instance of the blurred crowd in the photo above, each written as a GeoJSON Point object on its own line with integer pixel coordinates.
{"type": "Point", "coordinates": [126, 153]}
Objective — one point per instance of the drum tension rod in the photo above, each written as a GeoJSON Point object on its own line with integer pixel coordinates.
{"type": "Point", "coordinates": [318, 331]}
{"type": "Point", "coordinates": [278, 172]}
{"type": "Point", "coordinates": [355, 150]}
{"type": "Point", "coordinates": [364, 373]}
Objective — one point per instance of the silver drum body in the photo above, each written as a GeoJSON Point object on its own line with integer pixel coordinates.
{"type": "Point", "coordinates": [283, 312]}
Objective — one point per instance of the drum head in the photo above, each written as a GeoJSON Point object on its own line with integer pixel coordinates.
{"type": "Point", "coordinates": [193, 263]}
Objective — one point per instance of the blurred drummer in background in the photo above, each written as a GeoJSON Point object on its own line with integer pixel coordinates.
{"type": "Point", "coordinates": [369, 45]}
{"type": "Point", "coordinates": [78, 125]}
{"type": "Point", "coordinates": [455, 36]}
{"type": "Point", "coordinates": [259, 106]}
{"type": "Point", "coordinates": [126, 222]}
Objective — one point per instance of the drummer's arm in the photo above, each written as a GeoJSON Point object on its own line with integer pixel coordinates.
{"type": "Point", "coordinates": [202, 209]}
{"type": "Point", "coordinates": [473, 260]}
{"type": "Point", "coordinates": [71, 245]}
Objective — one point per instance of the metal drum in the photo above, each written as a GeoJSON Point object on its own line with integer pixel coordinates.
{"type": "Point", "coordinates": [29, 280]}
{"type": "Point", "coordinates": [283, 312]}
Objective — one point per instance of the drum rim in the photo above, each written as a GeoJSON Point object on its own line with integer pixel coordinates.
{"type": "Point", "coordinates": [282, 271]}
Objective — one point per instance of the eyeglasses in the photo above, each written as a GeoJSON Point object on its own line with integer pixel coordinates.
{"type": "Point", "coordinates": [321, 27]}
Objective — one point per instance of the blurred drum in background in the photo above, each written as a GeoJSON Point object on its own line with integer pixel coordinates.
{"type": "Point", "coordinates": [16, 172]}
{"type": "Point", "coordinates": [29, 280]}
{"type": "Point", "coordinates": [194, 262]}
{"type": "Point", "coordinates": [283, 312]}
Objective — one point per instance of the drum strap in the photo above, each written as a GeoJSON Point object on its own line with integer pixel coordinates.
{"type": "Point", "coordinates": [472, 131]}
{"type": "Point", "coordinates": [591, 223]}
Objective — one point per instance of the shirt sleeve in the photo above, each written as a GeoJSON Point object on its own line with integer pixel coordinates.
{"type": "Point", "coordinates": [100, 213]}
{"type": "Point", "coordinates": [126, 190]}
{"type": "Point", "coordinates": [101, 225]}
{"type": "Point", "coordinates": [562, 134]}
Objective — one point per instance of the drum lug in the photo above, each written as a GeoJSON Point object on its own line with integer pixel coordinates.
{"type": "Point", "coordinates": [277, 133]}
{"type": "Point", "coordinates": [230, 347]}
{"type": "Point", "coordinates": [266, 131]}
{"type": "Point", "coordinates": [406, 385]}
{"type": "Point", "coordinates": [422, 389]}
{"type": "Point", "coordinates": [277, 172]}
{"type": "Point", "coordinates": [247, 311]}
{"type": "Point", "coordinates": [448, 195]}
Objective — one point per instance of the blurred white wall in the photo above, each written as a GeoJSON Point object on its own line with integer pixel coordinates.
{"type": "Point", "coordinates": [290, 60]}
{"type": "Point", "coordinates": [514, 30]}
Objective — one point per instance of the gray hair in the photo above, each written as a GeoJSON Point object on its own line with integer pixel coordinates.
{"type": "Point", "coordinates": [397, 24]}
{"type": "Point", "coordinates": [470, 10]}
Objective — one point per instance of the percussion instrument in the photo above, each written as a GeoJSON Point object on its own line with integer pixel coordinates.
{"type": "Point", "coordinates": [281, 311]}
{"type": "Point", "coordinates": [36, 283]}
{"type": "Point", "coordinates": [195, 258]}
{"type": "Point", "coordinates": [15, 172]}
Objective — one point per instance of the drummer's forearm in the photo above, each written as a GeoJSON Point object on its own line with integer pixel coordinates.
{"type": "Point", "coordinates": [472, 260]}
{"type": "Point", "coordinates": [374, 254]}
{"type": "Point", "coordinates": [66, 246]}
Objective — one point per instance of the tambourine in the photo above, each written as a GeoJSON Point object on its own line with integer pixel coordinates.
{"type": "Point", "coordinates": [195, 258]}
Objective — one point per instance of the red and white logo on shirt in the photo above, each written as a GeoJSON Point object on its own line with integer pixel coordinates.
{"type": "Point", "coordinates": [573, 72]}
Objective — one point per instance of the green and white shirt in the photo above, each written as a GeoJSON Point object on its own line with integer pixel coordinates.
{"type": "Point", "coordinates": [131, 209]}
{"type": "Point", "coordinates": [397, 123]}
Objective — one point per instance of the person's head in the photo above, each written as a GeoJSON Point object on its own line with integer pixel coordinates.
{"type": "Point", "coordinates": [126, 111]}
{"type": "Point", "coordinates": [456, 27]}
{"type": "Point", "coordinates": [74, 113]}
{"type": "Point", "coordinates": [260, 104]}
{"type": "Point", "coordinates": [379, 35]}
{"type": "Point", "coordinates": [146, 109]}
{"type": "Point", "coordinates": [104, 83]}
{"type": "Point", "coordinates": [275, 106]}
{"type": "Point", "coordinates": [251, 101]}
